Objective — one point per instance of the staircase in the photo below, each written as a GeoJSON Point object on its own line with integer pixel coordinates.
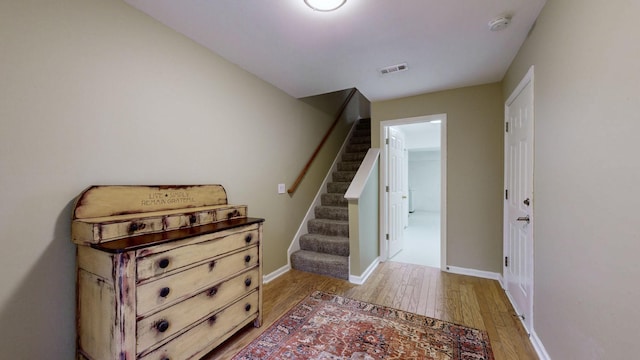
{"type": "Point", "coordinates": [325, 249]}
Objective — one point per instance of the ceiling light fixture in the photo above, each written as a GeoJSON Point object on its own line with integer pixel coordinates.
{"type": "Point", "coordinates": [324, 5]}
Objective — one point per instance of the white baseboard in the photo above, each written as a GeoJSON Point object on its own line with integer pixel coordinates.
{"type": "Point", "coordinates": [359, 280]}
{"type": "Point", "coordinates": [533, 337]}
{"type": "Point", "coordinates": [273, 275]}
{"type": "Point", "coordinates": [474, 272]}
{"type": "Point", "coordinates": [537, 345]}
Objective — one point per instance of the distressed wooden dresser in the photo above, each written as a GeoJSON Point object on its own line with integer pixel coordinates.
{"type": "Point", "coordinates": [163, 272]}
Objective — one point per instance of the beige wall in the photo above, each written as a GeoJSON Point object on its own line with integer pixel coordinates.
{"type": "Point", "coordinates": [474, 167]}
{"type": "Point", "coordinates": [95, 92]}
{"type": "Point", "coordinates": [587, 93]}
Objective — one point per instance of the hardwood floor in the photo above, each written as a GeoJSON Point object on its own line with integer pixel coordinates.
{"type": "Point", "coordinates": [465, 300]}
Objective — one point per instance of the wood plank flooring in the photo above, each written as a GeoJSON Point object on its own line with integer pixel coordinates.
{"type": "Point", "coordinates": [465, 300]}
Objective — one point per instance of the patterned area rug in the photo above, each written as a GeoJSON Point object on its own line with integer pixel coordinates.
{"type": "Point", "coordinates": [330, 327]}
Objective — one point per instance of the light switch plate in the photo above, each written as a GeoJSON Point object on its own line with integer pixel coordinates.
{"type": "Point", "coordinates": [281, 189]}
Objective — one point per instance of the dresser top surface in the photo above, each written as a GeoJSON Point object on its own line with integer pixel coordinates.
{"type": "Point", "coordinates": [147, 240]}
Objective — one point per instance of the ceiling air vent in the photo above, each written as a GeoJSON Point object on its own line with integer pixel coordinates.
{"type": "Point", "coordinates": [394, 68]}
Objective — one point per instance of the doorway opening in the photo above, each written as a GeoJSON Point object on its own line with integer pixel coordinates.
{"type": "Point", "coordinates": [413, 190]}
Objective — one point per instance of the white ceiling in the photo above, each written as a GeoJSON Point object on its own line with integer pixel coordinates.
{"type": "Point", "coordinates": [445, 43]}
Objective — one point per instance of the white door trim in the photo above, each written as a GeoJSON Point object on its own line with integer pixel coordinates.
{"type": "Point", "coordinates": [526, 80]}
{"type": "Point", "coordinates": [384, 250]}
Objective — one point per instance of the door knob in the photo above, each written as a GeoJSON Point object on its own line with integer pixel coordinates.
{"type": "Point", "coordinates": [523, 218]}
{"type": "Point", "coordinates": [527, 201]}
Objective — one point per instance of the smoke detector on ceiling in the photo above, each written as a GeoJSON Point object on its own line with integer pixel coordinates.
{"type": "Point", "coordinates": [394, 68]}
{"type": "Point", "coordinates": [499, 23]}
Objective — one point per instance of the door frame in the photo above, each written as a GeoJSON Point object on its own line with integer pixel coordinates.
{"type": "Point", "coordinates": [384, 249]}
{"type": "Point", "coordinates": [526, 80]}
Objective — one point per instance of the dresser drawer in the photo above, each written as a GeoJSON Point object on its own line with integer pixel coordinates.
{"type": "Point", "coordinates": [190, 252]}
{"type": "Point", "coordinates": [230, 212]}
{"type": "Point", "coordinates": [165, 290]}
{"type": "Point", "coordinates": [219, 213]}
{"type": "Point", "coordinates": [161, 325]}
{"type": "Point", "coordinates": [208, 331]}
{"type": "Point", "coordinates": [120, 229]}
{"type": "Point", "coordinates": [105, 229]}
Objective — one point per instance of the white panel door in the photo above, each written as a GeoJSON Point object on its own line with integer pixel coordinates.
{"type": "Point", "coordinates": [518, 266]}
{"type": "Point", "coordinates": [396, 183]}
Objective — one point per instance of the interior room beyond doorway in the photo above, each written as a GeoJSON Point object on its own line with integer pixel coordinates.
{"type": "Point", "coordinates": [422, 240]}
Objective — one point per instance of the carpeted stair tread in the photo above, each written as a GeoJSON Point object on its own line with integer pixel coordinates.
{"type": "Point", "coordinates": [332, 212]}
{"type": "Point", "coordinates": [363, 125]}
{"type": "Point", "coordinates": [354, 156]}
{"type": "Point", "coordinates": [333, 200]}
{"type": "Point", "coordinates": [319, 263]}
{"type": "Point", "coordinates": [336, 245]}
{"type": "Point", "coordinates": [349, 165]}
{"type": "Point", "coordinates": [358, 148]}
{"type": "Point", "coordinates": [338, 187]}
{"type": "Point", "coordinates": [360, 140]}
{"type": "Point", "coordinates": [328, 227]}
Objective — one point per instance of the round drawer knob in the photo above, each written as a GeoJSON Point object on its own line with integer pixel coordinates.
{"type": "Point", "coordinates": [247, 258]}
{"type": "Point", "coordinates": [164, 291]}
{"type": "Point", "coordinates": [247, 282]}
{"type": "Point", "coordinates": [163, 263]}
{"type": "Point", "coordinates": [213, 319]}
{"type": "Point", "coordinates": [133, 227]}
{"type": "Point", "coordinates": [213, 291]}
{"type": "Point", "coordinates": [247, 307]}
{"type": "Point", "coordinates": [192, 219]}
{"type": "Point", "coordinates": [162, 326]}
{"type": "Point", "coordinates": [248, 238]}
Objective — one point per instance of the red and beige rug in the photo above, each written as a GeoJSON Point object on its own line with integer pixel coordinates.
{"type": "Point", "coordinates": [330, 327]}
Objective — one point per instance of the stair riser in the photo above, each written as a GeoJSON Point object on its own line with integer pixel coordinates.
{"type": "Point", "coordinates": [354, 156]}
{"type": "Point", "coordinates": [360, 140]}
{"type": "Point", "coordinates": [343, 176]}
{"type": "Point", "coordinates": [337, 269]}
{"type": "Point", "coordinates": [311, 243]}
{"type": "Point", "coordinates": [332, 213]}
{"type": "Point", "coordinates": [315, 227]}
{"type": "Point", "coordinates": [362, 133]}
{"type": "Point", "coordinates": [333, 200]}
{"type": "Point", "coordinates": [348, 165]}
{"type": "Point", "coordinates": [337, 187]}
{"type": "Point", "coordinates": [357, 148]}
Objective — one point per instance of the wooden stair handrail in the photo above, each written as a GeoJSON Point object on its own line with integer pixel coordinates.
{"type": "Point", "coordinates": [293, 188]}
